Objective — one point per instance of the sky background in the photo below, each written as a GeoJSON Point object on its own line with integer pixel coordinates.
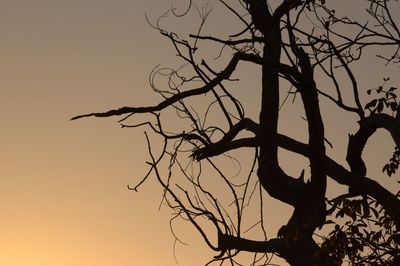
{"type": "Point", "coordinates": [63, 196]}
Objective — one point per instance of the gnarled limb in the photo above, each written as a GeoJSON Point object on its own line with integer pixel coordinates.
{"type": "Point", "coordinates": [368, 126]}
{"type": "Point", "coordinates": [361, 184]}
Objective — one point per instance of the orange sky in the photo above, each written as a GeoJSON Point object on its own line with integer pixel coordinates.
{"type": "Point", "coordinates": [63, 196]}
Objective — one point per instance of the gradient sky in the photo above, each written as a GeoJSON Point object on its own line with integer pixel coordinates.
{"type": "Point", "coordinates": [63, 196]}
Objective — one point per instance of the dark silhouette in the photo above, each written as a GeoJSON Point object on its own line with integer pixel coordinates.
{"type": "Point", "coordinates": [290, 41]}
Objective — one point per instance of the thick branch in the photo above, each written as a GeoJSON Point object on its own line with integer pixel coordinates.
{"type": "Point", "coordinates": [226, 143]}
{"type": "Point", "coordinates": [285, 7]}
{"type": "Point", "coordinates": [311, 206]}
{"type": "Point", "coordinates": [271, 176]}
{"type": "Point", "coordinates": [297, 252]}
{"type": "Point", "coordinates": [228, 242]}
{"type": "Point", "coordinates": [337, 172]}
{"type": "Point", "coordinates": [357, 142]}
{"type": "Point", "coordinates": [260, 15]}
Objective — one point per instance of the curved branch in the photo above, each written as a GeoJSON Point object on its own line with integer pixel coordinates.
{"type": "Point", "coordinates": [357, 142]}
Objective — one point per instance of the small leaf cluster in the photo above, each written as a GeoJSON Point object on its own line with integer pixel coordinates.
{"type": "Point", "coordinates": [391, 167]}
{"type": "Point", "coordinates": [384, 98]}
{"type": "Point", "coordinates": [367, 235]}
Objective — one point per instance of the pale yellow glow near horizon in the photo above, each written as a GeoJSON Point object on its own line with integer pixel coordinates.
{"type": "Point", "coordinates": [63, 196]}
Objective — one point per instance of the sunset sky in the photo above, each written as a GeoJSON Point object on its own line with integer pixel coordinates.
{"type": "Point", "coordinates": [63, 195]}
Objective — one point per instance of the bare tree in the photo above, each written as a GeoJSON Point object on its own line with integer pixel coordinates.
{"type": "Point", "coordinates": [302, 48]}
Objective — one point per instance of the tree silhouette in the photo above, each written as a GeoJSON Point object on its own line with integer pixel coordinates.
{"type": "Point", "coordinates": [302, 48]}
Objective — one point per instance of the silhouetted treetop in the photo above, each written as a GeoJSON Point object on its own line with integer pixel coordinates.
{"type": "Point", "coordinates": [306, 51]}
